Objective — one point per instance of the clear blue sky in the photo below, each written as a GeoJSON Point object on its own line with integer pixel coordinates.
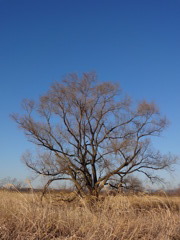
{"type": "Point", "coordinates": [135, 43]}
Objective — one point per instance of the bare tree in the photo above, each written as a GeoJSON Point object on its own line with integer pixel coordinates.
{"type": "Point", "coordinates": [129, 183]}
{"type": "Point", "coordinates": [91, 133]}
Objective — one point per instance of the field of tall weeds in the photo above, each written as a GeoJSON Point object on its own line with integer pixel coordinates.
{"type": "Point", "coordinates": [23, 216]}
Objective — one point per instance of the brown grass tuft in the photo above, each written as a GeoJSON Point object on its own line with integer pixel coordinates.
{"type": "Point", "coordinates": [23, 216]}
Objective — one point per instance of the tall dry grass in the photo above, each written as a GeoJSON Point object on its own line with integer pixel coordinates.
{"type": "Point", "coordinates": [24, 217]}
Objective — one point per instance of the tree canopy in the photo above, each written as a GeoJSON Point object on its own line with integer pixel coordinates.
{"type": "Point", "coordinates": [90, 133]}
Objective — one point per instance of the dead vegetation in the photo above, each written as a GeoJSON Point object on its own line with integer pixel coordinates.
{"type": "Point", "coordinates": [24, 216]}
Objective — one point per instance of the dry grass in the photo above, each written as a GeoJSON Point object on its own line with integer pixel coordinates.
{"type": "Point", "coordinates": [23, 216]}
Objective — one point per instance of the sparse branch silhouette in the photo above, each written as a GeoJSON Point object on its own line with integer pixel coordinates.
{"type": "Point", "coordinates": [91, 133]}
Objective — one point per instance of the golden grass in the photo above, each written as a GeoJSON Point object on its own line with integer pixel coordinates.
{"type": "Point", "coordinates": [24, 217]}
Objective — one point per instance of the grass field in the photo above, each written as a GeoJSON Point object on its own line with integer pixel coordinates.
{"type": "Point", "coordinates": [24, 217]}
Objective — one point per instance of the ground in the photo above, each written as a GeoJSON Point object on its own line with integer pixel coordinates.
{"type": "Point", "coordinates": [24, 216]}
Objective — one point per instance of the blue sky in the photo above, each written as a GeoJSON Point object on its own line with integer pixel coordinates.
{"type": "Point", "coordinates": [135, 43]}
